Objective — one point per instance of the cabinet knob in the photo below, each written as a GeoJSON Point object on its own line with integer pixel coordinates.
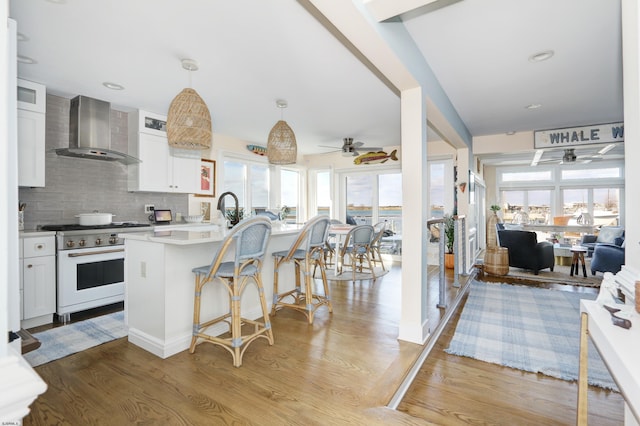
{"type": "Point", "coordinates": [29, 266]}
{"type": "Point", "coordinates": [39, 246]}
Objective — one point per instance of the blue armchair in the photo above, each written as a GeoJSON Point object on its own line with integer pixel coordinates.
{"type": "Point", "coordinates": [607, 258]}
{"type": "Point", "coordinates": [607, 234]}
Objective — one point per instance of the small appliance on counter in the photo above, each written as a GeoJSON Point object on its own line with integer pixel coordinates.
{"type": "Point", "coordinates": [161, 217]}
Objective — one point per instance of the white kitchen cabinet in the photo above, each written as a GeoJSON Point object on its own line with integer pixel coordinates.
{"type": "Point", "coordinates": [38, 280]}
{"type": "Point", "coordinates": [31, 133]}
{"type": "Point", "coordinates": [163, 168]}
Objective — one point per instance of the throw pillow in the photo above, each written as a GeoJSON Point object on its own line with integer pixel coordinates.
{"type": "Point", "coordinates": [608, 234]}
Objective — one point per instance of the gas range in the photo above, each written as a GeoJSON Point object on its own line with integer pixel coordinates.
{"type": "Point", "coordinates": [73, 236]}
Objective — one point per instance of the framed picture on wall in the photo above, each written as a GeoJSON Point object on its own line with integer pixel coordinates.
{"type": "Point", "coordinates": [207, 178]}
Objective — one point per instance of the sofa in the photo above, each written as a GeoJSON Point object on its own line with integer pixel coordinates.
{"type": "Point", "coordinates": [525, 251]}
{"type": "Point", "coordinates": [607, 235]}
{"type": "Point", "coordinates": [607, 258]}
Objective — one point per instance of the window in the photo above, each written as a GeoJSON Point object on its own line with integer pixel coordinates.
{"type": "Point", "coordinates": [531, 206]}
{"type": "Point", "coordinates": [249, 182]}
{"type": "Point", "coordinates": [289, 192]}
{"type": "Point", "coordinates": [593, 188]}
{"type": "Point", "coordinates": [323, 192]}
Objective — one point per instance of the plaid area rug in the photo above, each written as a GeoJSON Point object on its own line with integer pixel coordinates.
{"type": "Point", "coordinates": [526, 328]}
{"type": "Point", "coordinates": [68, 339]}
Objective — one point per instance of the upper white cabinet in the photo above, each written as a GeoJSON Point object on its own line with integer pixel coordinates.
{"type": "Point", "coordinates": [163, 168]}
{"type": "Point", "coordinates": [32, 96]}
{"type": "Point", "coordinates": [31, 133]}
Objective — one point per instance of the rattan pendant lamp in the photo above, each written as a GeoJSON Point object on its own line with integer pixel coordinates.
{"type": "Point", "coordinates": [281, 146]}
{"type": "Point", "coordinates": [189, 120]}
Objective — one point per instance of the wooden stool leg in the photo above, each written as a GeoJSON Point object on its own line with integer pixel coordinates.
{"type": "Point", "coordinates": [584, 268]}
{"type": "Point", "coordinates": [196, 312]}
{"type": "Point", "coordinates": [265, 312]}
{"type": "Point", "coordinates": [276, 262]}
{"type": "Point", "coordinates": [236, 323]}
{"type": "Point", "coordinates": [325, 284]}
{"type": "Point", "coordinates": [308, 289]}
{"type": "Point", "coordinates": [574, 263]}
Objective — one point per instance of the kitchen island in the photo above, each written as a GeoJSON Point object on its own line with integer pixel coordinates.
{"type": "Point", "coordinates": [159, 289]}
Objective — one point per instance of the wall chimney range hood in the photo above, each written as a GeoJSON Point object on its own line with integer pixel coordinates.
{"type": "Point", "coordinates": [90, 132]}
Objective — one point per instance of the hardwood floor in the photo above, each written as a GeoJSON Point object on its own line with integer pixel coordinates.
{"type": "Point", "coordinates": [343, 369]}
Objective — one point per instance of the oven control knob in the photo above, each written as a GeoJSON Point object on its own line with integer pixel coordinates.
{"type": "Point", "coordinates": [70, 243]}
{"type": "Point", "coordinates": [113, 240]}
{"type": "Point", "coordinates": [82, 243]}
{"type": "Point", "coordinates": [98, 241]}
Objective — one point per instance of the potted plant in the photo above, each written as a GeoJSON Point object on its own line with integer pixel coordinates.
{"type": "Point", "coordinates": [449, 233]}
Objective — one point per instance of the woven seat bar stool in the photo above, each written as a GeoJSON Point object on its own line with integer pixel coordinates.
{"type": "Point", "coordinates": [330, 245]}
{"type": "Point", "coordinates": [306, 253]}
{"type": "Point", "coordinates": [357, 247]}
{"type": "Point", "coordinates": [376, 256]}
{"type": "Point", "coordinates": [248, 239]}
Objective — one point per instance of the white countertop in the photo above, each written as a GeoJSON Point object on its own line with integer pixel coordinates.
{"type": "Point", "coordinates": [36, 233]}
{"type": "Point", "coordinates": [188, 234]}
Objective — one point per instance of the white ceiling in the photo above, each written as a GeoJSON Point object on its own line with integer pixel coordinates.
{"type": "Point", "coordinates": [253, 52]}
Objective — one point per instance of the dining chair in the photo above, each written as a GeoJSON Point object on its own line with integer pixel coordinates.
{"type": "Point", "coordinates": [306, 253]}
{"type": "Point", "coordinates": [376, 256]}
{"type": "Point", "coordinates": [248, 240]}
{"type": "Point", "coordinates": [330, 245]}
{"type": "Point", "coordinates": [357, 247]}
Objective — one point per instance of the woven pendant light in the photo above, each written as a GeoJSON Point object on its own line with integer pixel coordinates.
{"type": "Point", "coordinates": [281, 146]}
{"type": "Point", "coordinates": [189, 120]}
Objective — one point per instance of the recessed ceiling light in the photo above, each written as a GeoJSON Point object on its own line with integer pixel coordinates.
{"type": "Point", "coordinates": [113, 86]}
{"type": "Point", "coordinates": [21, 37]}
{"type": "Point", "coordinates": [26, 60]}
{"type": "Point", "coordinates": [57, 1]}
{"type": "Point", "coordinates": [511, 132]}
{"type": "Point", "coordinates": [533, 106]}
{"type": "Point", "coordinates": [541, 56]}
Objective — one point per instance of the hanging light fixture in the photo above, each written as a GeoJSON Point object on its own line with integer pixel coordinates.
{"type": "Point", "coordinates": [189, 120]}
{"type": "Point", "coordinates": [281, 146]}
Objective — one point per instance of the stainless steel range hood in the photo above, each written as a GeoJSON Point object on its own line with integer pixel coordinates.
{"type": "Point", "coordinates": [90, 132]}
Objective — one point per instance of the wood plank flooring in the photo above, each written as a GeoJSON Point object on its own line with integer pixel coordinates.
{"type": "Point", "coordinates": [343, 369]}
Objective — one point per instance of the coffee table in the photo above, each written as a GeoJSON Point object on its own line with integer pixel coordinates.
{"type": "Point", "coordinates": [578, 256]}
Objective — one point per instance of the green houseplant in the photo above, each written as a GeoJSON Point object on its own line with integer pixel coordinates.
{"type": "Point", "coordinates": [449, 239]}
{"type": "Point", "coordinates": [449, 226]}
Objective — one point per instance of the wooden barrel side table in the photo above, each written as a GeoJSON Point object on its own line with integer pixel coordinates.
{"type": "Point", "coordinates": [496, 260]}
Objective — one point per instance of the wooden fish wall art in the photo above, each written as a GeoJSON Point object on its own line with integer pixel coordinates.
{"type": "Point", "coordinates": [375, 157]}
{"type": "Point", "coordinates": [257, 149]}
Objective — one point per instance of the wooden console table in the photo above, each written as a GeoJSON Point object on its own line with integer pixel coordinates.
{"type": "Point", "coordinates": [619, 349]}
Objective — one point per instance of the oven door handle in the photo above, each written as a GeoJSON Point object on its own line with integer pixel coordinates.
{"type": "Point", "coordinates": [93, 253]}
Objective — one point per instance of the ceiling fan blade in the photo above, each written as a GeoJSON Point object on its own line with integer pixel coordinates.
{"type": "Point", "coordinates": [327, 146]}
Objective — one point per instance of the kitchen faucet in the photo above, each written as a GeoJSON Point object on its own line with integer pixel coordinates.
{"type": "Point", "coordinates": [236, 217]}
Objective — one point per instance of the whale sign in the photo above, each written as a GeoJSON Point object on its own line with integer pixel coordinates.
{"type": "Point", "coordinates": [575, 136]}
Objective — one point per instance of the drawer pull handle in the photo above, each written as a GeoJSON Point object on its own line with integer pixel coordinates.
{"type": "Point", "coordinates": [39, 246]}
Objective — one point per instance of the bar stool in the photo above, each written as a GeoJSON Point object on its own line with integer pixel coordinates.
{"type": "Point", "coordinates": [376, 256]}
{"type": "Point", "coordinates": [306, 252]}
{"type": "Point", "coordinates": [357, 246]}
{"type": "Point", "coordinates": [250, 237]}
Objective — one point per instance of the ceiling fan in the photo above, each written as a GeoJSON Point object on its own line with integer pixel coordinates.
{"type": "Point", "coordinates": [349, 147]}
{"type": "Point", "coordinates": [569, 156]}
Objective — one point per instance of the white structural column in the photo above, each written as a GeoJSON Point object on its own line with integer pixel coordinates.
{"type": "Point", "coordinates": [631, 84]}
{"type": "Point", "coordinates": [390, 51]}
{"type": "Point", "coordinates": [414, 323]}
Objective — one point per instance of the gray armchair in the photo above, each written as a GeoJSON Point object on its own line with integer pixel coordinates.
{"type": "Point", "coordinates": [607, 235]}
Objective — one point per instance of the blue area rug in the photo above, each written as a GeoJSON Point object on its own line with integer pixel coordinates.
{"type": "Point", "coordinates": [66, 340]}
{"type": "Point", "coordinates": [527, 328]}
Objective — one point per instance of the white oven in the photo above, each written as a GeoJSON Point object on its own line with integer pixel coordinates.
{"type": "Point", "coordinates": [90, 265]}
{"type": "Point", "coordinates": [89, 277]}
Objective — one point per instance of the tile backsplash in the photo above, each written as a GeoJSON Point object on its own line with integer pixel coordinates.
{"type": "Point", "coordinates": [78, 185]}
